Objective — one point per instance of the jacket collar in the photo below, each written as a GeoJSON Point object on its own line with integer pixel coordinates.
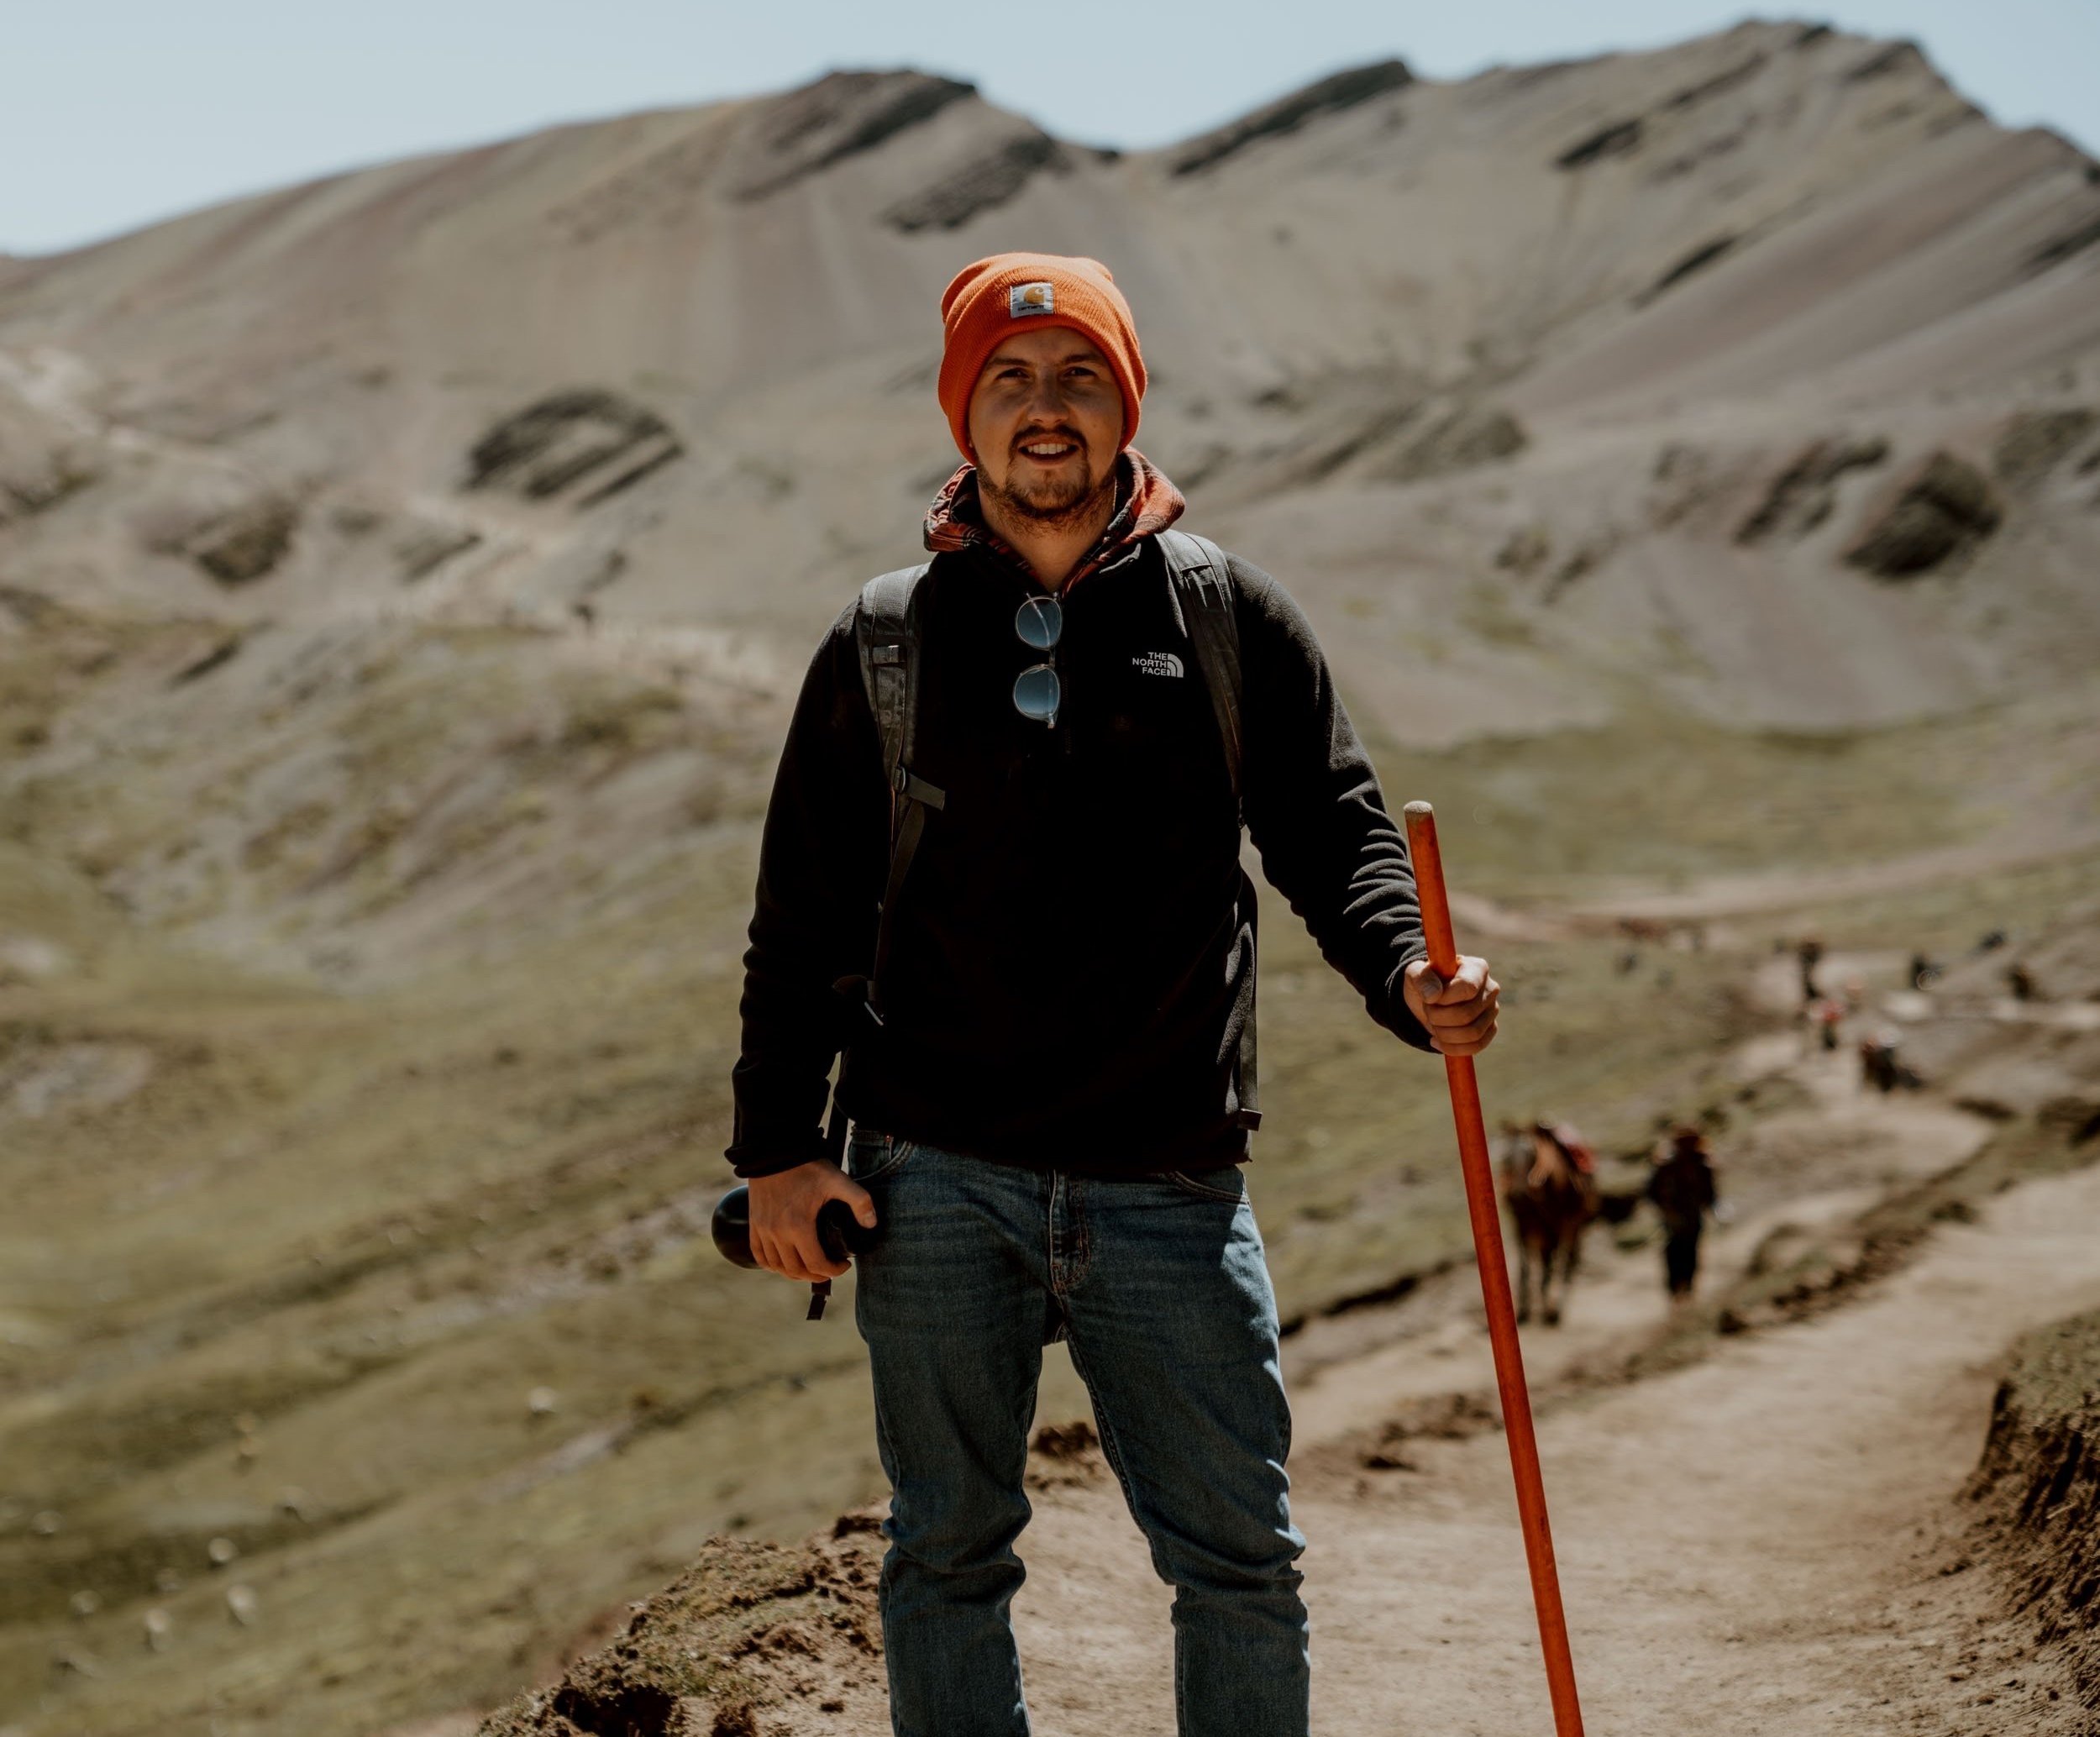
{"type": "Point", "coordinates": [1146, 502]}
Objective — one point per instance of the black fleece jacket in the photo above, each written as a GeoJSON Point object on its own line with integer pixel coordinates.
{"type": "Point", "coordinates": [1073, 950]}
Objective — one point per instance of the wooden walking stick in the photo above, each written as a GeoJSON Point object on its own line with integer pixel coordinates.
{"type": "Point", "coordinates": [1494, 1289]}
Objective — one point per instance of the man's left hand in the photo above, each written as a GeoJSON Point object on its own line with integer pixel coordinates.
{"type": "Point", "coordinates": [1459, 1014]}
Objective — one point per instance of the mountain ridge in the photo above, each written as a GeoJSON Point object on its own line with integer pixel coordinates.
{"type": "Point", "coordinates": [1538, 344]}
{"type": "Point", "coordinates": [1494, 374]}
{"type": "Point", "coordinates": [1689, 459]}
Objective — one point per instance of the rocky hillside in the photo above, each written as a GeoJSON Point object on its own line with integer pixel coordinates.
{"type": "Point", "coordinates": [1690, 459]}
{"type": "Point", "coordinates": [1758, 379]}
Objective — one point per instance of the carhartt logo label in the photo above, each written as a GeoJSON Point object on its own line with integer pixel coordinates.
{"type": "Point", "coordinates": [1031, 298]}
{"type": "Point", "coordinates": [1156, 663]}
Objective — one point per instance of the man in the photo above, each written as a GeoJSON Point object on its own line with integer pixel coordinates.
{"type": "Point", "coordinates": [1683, 1188]}
{"type": "Point", "coordinates": [1052, 1106]}
{"type": "Point", "coordinates": [1809, 954]}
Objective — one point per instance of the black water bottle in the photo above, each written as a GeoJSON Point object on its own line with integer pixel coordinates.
{"type": "Point", "coordinates": [838, 1229]}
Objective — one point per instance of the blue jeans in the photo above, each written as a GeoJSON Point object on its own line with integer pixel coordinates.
{"type": "Point", "coordinates": [1160, 1288]}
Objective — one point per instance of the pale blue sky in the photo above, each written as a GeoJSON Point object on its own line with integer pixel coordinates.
{"type": "Point", "coordinates": [113, 113]}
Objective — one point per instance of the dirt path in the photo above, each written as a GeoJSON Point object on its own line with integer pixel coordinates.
{"type": "Point", "coordinates": [2035, 837]}
{"type": "Point", "coordinates": [1766, 1543]}
{"type": "Point", "coordinates": [1752, 1545]}
{"type": "Point", "coordinates": [1827, 1161]}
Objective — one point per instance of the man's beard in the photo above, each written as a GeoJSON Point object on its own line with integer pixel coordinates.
{"type": "Point", "coordinates": [1056, 504]}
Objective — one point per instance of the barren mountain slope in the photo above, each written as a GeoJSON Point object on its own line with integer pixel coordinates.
{"type": "Point", "coordinates": [1724, 251]}
{"type": "Point", "coordinates": [1689, 458]}
{"type": "Point", "coordinates": [1758, 379]}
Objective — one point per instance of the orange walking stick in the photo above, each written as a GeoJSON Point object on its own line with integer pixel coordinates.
{"type": "Point", "coordinates": [1495, 1289]}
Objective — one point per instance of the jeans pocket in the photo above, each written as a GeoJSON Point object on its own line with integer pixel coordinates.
{"type": "Point", "coordinates": [871, 1157]}
{"type": "Point", "coordinates": [1225, 1182]}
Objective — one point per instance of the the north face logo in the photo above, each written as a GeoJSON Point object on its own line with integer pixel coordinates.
{"type": "Point", "coordinates": [1031, 298]}
{"type": "Point", "coordinates": [1156, 663]}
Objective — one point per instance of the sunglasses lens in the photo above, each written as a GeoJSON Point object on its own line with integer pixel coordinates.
{"type": "Point", "coordinates": [1039, 622]}
{"type": "Point", "coordinates": [1037, 693]}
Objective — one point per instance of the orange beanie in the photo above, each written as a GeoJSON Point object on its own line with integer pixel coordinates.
{"type": "Point", "coordinates": [990, 300]}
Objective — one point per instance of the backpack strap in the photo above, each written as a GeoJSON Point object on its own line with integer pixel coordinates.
{"type": "Point", "coordinates": [886, 633]}
{"type": "Point", "coordinates": [1202, 602]}
{"type": "Point", "coordinates": [1203, 605]}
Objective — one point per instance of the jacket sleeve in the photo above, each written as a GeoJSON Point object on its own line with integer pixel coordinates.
{"type": "Point", "coordinates": [821, 863]}
{"type": "Point", "coordinates": [1314, 811]}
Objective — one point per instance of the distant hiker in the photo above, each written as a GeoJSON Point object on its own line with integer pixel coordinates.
{"type": "Point", "coordinates": [2020, 980]}
{"type": "Point", "coordinates": [1549, 1183]}
{"type": "Point", "coordinates": [1826, 1015]}
{"type": "Point", "coordinates": [1881, 1062]}
{"type": "Point", "coordinates": [1924, 972]}
{"type": "Point", "coordinates": [1001, 870]}
{"type": "Point", "coordinates": [1683, 1188]}
{"type": "Point", "coordinates": [1809, 951]}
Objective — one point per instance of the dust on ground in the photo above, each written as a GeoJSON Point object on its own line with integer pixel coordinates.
{"type": "Point", "coordinates": [1767, 1512]}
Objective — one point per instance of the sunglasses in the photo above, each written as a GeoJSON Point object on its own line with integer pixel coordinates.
{"type": "Point", "coordinates": [1037, 692]}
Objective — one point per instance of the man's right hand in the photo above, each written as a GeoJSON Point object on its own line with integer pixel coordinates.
{"type": "Point", "coordinates": [784, 1208]}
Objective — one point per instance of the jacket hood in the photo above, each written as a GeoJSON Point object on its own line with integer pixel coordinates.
{"type": "Point", "coordinates": [1146, 501]}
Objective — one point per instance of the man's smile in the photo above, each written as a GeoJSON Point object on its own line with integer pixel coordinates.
{"type": "Point", "coordinates": [1049, 451]}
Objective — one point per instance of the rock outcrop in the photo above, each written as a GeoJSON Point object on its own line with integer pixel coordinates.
{"type": "Point", "coordinates": [842, 115]}
{"type": "Point", "coordinates": [981, 185]}
{"type": "Point", "coordinates": [1939, 516]}
{"type": "Point", "coordinates": [590, 441]}
{"type": "Point", "coordinates": [1288, 114]}
{"type": "Point", "coordinates": [1803, 495]}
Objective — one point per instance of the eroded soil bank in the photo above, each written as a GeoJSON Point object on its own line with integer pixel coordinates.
{"type": "Point", "coordinates": [2040, 1480]}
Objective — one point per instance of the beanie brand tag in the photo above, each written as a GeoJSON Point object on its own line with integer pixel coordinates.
{"type": "Point", "coordinates": [1025, 298]}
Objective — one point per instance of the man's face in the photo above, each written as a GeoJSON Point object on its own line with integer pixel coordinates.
{"type": "Point", "coordinates": [1046, 421]}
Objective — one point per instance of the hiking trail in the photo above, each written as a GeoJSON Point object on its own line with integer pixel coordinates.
{"type": "Point", "coordinates": [1764, 1542]}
